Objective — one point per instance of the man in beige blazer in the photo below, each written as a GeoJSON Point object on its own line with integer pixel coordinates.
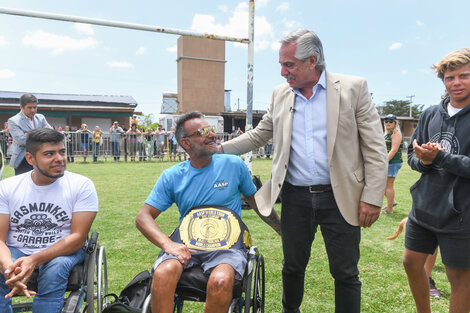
{"type": "Point", "coordinates": [329, 166]}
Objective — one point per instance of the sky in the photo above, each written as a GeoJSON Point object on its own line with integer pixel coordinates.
{"type": "Point", "coordinates": [393, 44]}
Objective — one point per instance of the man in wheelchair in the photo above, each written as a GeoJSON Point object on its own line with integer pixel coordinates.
{"type": "Point", "coordinates": [206, 179]}
{"type": "Point", "coordinates": [45, 217]}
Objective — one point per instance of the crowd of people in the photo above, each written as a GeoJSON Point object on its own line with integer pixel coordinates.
{"type": "Point", "coordinates": [138, 143]}
{"type": "Point", "coordinates": [331, 170]}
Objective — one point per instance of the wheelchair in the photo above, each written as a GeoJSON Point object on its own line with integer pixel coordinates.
{"type": "Point", "coordinates": [87, 285]}
{"type": "Point", "coordinates": [248, 293]}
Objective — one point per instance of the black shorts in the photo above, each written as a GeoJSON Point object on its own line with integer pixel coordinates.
{"type": "Point", "coordinates": [455, 248]}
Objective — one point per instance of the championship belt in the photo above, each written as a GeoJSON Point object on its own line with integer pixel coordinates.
{"type": "Point", "coordinates": [212, 228]}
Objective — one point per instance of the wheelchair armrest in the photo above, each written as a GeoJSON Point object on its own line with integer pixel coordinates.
{"type": "Point", "coordinates": [92, 243]}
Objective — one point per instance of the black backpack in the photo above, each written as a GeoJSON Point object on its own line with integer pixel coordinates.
{"type": "Point", "coordinates": [132, 297]}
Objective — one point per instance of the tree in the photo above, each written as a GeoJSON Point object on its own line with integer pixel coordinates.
{"type": "Point", "coordinates": [400, 108]}
{"type": "Point", "coordinates": [146, 120]}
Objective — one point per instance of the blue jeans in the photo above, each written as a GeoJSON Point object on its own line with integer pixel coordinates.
{"type": "Point", "coordinates": [302, 212]}
{"type": "Point", "coordinates": [115, 149]}
{"type": "Point", "coordinates": [52, 282]}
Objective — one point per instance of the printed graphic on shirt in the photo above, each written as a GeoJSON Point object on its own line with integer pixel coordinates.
{"type": "Point", "coordinates": [38, 225]}
{"type": "Point", "coordinates": [220, 184]}
{"type": "Point", "coordinates": [447, 141]}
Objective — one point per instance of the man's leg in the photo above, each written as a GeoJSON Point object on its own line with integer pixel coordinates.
{"type": "Point", "coordinates": [428, 266]}
{"type": "Point", "coordinates": [419, 244]}
{"type": "Point", "coordinates": [417, 279]}
{"type": "Point", "coordinates": [459, 279]}
{"type": "Point", "coordinates": [164, 282]}
{"type": "Point", "coordinates": [219, 289]}
{"type": "Point", "coordinates": [298, 231]}
{"type": "Point", "coordinates": [5, 304]}
{"type": "Point", "coordinates": [342, 246]}
{"type": "Point", "coordinates": [52, 282]}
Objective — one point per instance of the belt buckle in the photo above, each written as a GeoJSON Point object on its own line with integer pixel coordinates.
{"type": "Point", "coordinates": [314, 191]}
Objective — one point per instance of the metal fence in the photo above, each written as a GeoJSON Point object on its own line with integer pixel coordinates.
{"type": "Point", "coordinates": [127, 147]}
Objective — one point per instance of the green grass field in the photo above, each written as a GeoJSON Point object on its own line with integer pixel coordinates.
{"type": "Point", "coordinates": [123, 187]}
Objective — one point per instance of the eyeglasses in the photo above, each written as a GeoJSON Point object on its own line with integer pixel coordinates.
{"type": "Point", "coordinates": [389, 121]}
{"type": "Point", "coordinates": [203, 131]}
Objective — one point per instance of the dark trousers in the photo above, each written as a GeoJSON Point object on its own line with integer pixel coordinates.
{"type": "Point", "coordinates": [301, 214]}
{"type": "Point", "coordinates": [23, 167]}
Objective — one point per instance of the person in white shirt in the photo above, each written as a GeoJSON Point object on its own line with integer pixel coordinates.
{"type": "Point", "coordinates": [45, 217]}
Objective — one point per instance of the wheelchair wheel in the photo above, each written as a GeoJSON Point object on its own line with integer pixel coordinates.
{"type": "Point", "coordinates": [96, 281]}
{"type": "Point", "coordinates": [258, 286]}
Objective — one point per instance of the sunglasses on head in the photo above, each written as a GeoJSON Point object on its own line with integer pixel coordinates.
{"type": "Point", "coordinates": [389, 120]}
{"type": "Point", "coordinates": [203, 131]}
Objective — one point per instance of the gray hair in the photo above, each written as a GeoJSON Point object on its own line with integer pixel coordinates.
{"type": "Point", "coordinates": [180, 131]}
{"type": "Point", "coordinates": [308, 43]}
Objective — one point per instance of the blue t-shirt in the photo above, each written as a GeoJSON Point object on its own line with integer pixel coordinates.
{"type": "Point", "coordinates": [219, 183]}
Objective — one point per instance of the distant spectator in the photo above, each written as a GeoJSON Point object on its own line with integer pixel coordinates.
{"type": "Point", "coordinates": [134, 120]}
{"type": "Point", "coordinates": [239, 131]}
{"type": "Point", "coordinates": [97, 139]}
{"type": "Point", "coordinates": [160, 141]}
{"type": "Point", "coordinates": [115, 140]}
{"type": "Point", "coordinates": [20, 124]}
{"type": "Point", "coordinates": [141, 145]}
{"type": "Point", "coordinates": [132, 134]}
{"type": "Point", "coordinates": [84, 139]}
{"type": "Point", "coordinates": [394, 143]}
{"type": "Point", "coordinates": [6, 139]}
{"type": "Point", "coordinates": [60, 130]}
{"type": "Point", "coordinates": [268, 148]}
{"type": "Point", "coordinates": [69, 140]}
{"type": "Point", "coordinates": [173, 143]}
{"type": "Point", "coordinates": [149, 142]}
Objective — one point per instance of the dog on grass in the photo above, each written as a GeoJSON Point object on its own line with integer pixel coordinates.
{"type": "Point", "coordinates": [400, 229]}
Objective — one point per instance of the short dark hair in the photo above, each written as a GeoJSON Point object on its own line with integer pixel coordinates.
{"type": "Point", "coordinates": [28, 98]}
{"type": "Point", "coordinates": [37, 137]}
{"type": "Point", "coordinates": [180, 131]}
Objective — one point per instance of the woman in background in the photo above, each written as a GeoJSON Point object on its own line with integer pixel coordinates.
{"type": "Point", "coordinates": [84, 139]}
{"type": "Point", "coordinates": [394, 142]}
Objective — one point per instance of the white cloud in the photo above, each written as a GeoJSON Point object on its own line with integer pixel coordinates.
{"type": "Point", "coordinates": [276, 45]}
{"type": "Point", "coordinates": [223, 8]}
{"type": "Point", "coordinates": [237, 26]}
{"type": "Point", "coordinates": [141, 50]}
{"type": "Point", "coordinates": [404, 72]}
{"type": "Point", "coordinates": [57, 43]}
{"type": "Point", "coordinates": [119, 64]}
{"type": "Point", "coordinates": [172, 49]}
{"type": "Point", "coordinates": [419, 23]}
{"type": "Point", "coordinates": [86, 29]}
{"type": "Point", "coordinates": [6, 73]}
{"type": "Point", "coordinates": [395, 46]}
{"type": "Point", "coordinates": [283, 6]}
{"type": "Point", "coordinates": [290, 24]}
{"type": "Point", "coordinates": [261, 3]}
{"type": "Point", "coordinates": [3, 42]}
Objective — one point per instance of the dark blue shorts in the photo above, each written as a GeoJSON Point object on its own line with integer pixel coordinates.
{"type": "Point", "coordinates": [455, 248]}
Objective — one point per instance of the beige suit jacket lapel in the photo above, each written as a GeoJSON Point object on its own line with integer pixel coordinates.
{"type": "Point", "coordinates": [333, 91]}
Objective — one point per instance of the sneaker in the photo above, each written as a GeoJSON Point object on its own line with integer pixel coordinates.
{"type": "Point", "coordinates": [433, 292]}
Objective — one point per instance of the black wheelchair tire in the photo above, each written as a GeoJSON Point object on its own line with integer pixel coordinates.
{"type": "Point", "coordinates": [259, 286]}
{"type": "Point", "coordinates": [90, 282]}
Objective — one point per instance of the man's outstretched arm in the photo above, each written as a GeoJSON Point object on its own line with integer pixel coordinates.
{"type": "Point", "coordinates": [272, 219]}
